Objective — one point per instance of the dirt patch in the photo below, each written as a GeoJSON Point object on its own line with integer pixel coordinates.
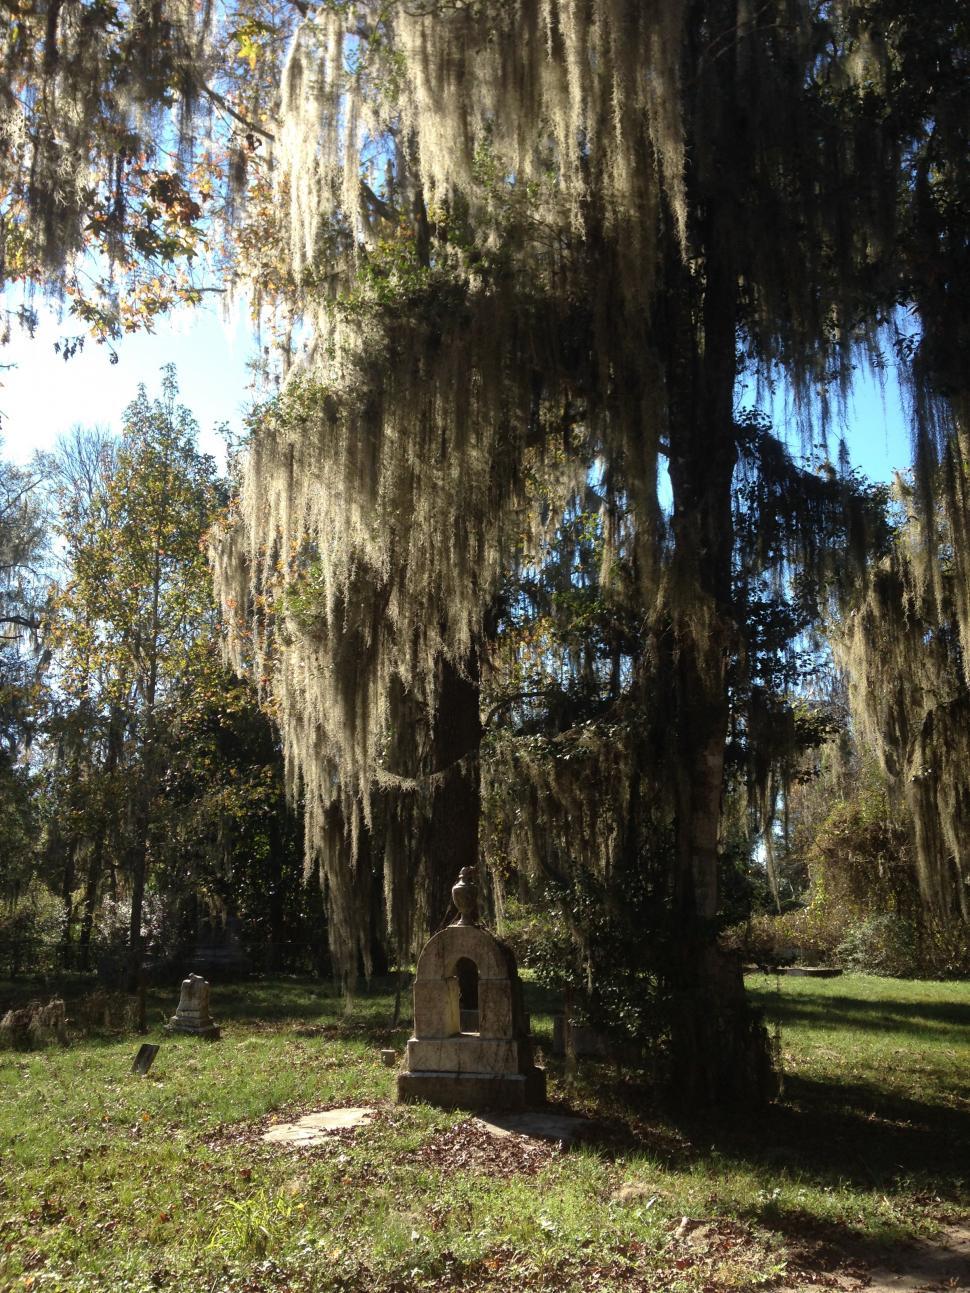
{"type": "Point", "coordinates": [943, 1263]}
{"type": "Point", "coordinates": [926, 1266]}
{"type": "Point", "coordinates": [470, 1147]}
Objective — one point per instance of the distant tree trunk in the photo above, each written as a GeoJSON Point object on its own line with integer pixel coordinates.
{"type": "Point", "coordinates": [138, 867]}
{"type": "Point", "coordinates": [274, 953]}
{"type": "Point", "coordinates": [95, 868]}
{"type": "Point", "coordinates": [456, 807]}
{"type": "Point", "coordinates": [67, 897]}
{"type": "Point", "coordinates": [95, 864]}
{"type": "Point", "coordinates": [142, 816]}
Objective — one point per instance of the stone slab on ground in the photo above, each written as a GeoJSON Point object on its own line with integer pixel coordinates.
{"type": "Point", "coordinates": [314, 1128]}
{"type": "Point", "coordinates": [538, 1126]}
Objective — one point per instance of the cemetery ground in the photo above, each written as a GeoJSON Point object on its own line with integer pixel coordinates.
{"type": "Point", "coordinates": [113, 1181]}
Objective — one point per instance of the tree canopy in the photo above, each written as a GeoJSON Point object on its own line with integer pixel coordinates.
{"type": "Point", "coordinates": [531, 244]}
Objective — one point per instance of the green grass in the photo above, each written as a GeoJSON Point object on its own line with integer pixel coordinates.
{"type": "Point", "coordinates": [109, 1181]}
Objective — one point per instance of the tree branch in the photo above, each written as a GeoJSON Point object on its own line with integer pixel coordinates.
{"type": "Point", "coordinates": [222, 102]}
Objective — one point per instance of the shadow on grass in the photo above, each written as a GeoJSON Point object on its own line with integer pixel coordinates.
{"type": "Point", "coordinates": [827, 1135]}
{"type": "Point", "coordinates": [836, 1133]}
{"type": "Point", "coordinates": [824, 1132]}
{"type": "Point", "coordinates": [885, 1015]}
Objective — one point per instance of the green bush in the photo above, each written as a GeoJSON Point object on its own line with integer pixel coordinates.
{"type": "Point", "coordinates": [825, 933]}
{"type": "Point", "coordinates": [31, 932]}
{"type": "Point", "coordinates": [864, 911]}
{"type": "Point", "coordinates": [882, 944]}
{"type": "Point", "coordinates": [604, 946]}
{"type": "Point", "coordinates": [809, 934]}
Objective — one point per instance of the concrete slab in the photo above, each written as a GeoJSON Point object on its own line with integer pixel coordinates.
{"type": "Point", "coordinates": [288, 1133]}
{"type": "Point", "coordinates": [314, 1128]}
{"type": "Point", "coordinates": [537, 1126]}
{"type": "Point", "coordinates": [336, 1119]}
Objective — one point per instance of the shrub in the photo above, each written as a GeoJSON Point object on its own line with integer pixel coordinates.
{"type": "Point", "coordinates": [885, 944]}
{"type": "Point", "coordinates": [877, 943]}
{"type": "Point", "coordinates": [31, 933]}
{"type": "Point", "coordinates": [101, 1011]}
{"type": "Point", "coordinates": [603, 946]}
{"type": "Point", "coordinates": [809, 935]}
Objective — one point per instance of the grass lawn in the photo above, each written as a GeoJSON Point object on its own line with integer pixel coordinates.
{"type": "Point", "coordinates": [109, 1181]}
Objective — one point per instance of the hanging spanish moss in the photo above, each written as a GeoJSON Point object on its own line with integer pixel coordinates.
{"type": "Point", "coordinates": [383, 498]}
{"type": "Point", "coordinates": [85, 93]}
{"type": "Point", "coordinates": [529, 234]}
{"type": "Point", "coordinates": [902, 652]}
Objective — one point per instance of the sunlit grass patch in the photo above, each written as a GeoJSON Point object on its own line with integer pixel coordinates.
{"type": "Point", "coordinates": [111, 1181]}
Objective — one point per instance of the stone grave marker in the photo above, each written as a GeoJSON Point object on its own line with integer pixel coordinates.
{"type": "Point", "coordinates": [192, 1015]}
{"type": "Point", "coordinates": [471, 1047]}
{"type": "Point", "coordinates": [144, 1059]}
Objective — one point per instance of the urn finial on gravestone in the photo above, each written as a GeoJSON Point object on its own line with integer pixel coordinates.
{"type": "Point", "coordinates": [464, 894]}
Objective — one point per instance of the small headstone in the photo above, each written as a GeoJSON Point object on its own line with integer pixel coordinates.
{"type": "Point", "coordinates": [388, 1059]}
{"type": "Point", "coordinates": [192, 1015]}
{"type": "Point", "coordinates": [144, 1059]}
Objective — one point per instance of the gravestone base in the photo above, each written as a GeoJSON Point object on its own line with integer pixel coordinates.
{"type": "Point", "coordinates": [179, 1024]}
{"type": "Point", "coordinates": [514, 1091]}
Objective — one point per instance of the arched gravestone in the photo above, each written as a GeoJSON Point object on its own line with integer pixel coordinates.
{"type": "Point", "coordinates": [490, 1066]}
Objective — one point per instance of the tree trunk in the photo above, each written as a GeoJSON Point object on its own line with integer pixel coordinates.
{"type": "Point", "coordinates": [138, 867]}
{"type": "Point", "coordinates": [456, 806]}
{"type": "Point", "coordinates": [720, 1053]}
{"type": "Point", "coordinates": [96, 860]}
{"type": "Point", "coordinates": [67, 898]}
{"type": "Point", "coordinates": [141, 825]}
{"type": "Point", "coordinates": [274, 953]}
{"type": "Point", "coordinates": [147, 781]}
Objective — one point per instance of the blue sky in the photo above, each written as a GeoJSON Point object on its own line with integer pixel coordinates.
{"type": "Point", "coordinates": [42, 395]}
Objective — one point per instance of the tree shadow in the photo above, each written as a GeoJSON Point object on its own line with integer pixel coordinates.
{"type": "Point", "coordinates": [852, 1133]}
{"type": "Point", "coordinates": [826, 1134]}
{"type": "Point", "coordinates": [915, 1018]}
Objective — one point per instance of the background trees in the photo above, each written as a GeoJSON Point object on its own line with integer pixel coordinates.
{"type": "Point", "coordinates": [23, 539]}
{"type": "Point", "coordinates": [128, 624]}
{"type": "Point", "coordinates": [150, 803]}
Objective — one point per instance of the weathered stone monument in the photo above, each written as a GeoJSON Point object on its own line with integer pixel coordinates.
{"type": "Point", "coordinates": [192, 1015]}
{"type": "Point", "coordinates": [471, 1047]}
{"type": "Point", "coordinates": [35, 1026]}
